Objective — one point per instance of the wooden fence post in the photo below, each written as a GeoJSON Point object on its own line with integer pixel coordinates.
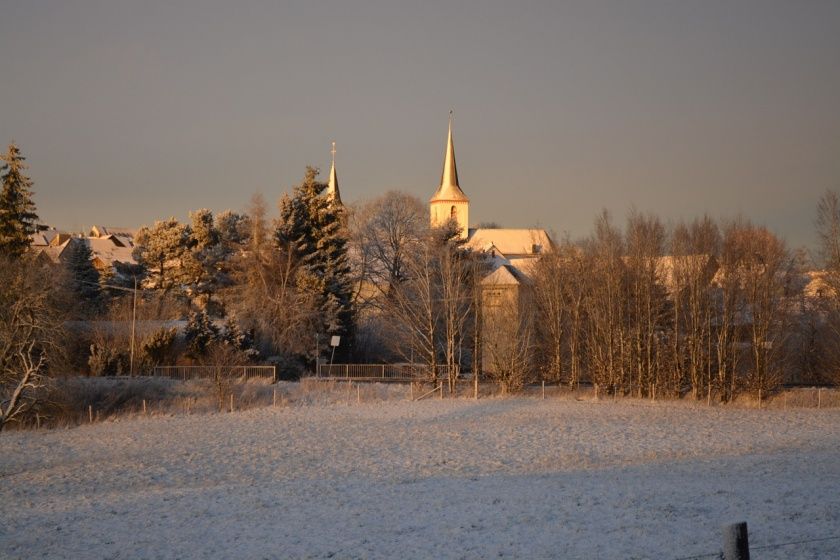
{"type": "Point", "coordinates": [231, 402]}
{"type": "Point", "coordinates": [144, 406]}
{"type": "Point", "coordinates": [90, 413]}
{"type": "Point", "coordinates": [274, 398]}
{"type": "Point", "coordinates": [819, 397]}
{"type": "Point", "coordinates": [736, 544]}
{"type": "Point", "coordinates": [543, 389]}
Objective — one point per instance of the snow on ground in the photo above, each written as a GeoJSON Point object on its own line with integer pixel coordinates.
{"type": "Point", "coordinates": [517, 477]}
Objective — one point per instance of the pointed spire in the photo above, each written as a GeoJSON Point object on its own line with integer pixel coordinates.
{"type": "Point", "coordinates": [449, 177]}
{"type": "Point", "coordinates": [449, 188]}
{"type": "Point", "coordinates": [332, 186]}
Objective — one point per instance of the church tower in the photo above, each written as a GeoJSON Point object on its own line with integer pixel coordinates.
{"type": "Point", "coordinates": [333, 194]}
{"type": "Point", "coordinates": [449, 201]}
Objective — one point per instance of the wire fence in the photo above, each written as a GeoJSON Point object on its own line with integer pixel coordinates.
{"type": "Point", "coordinates": [211, 372]}
{"type": "Point", "coordinates": [383, 372]}
{"type": "Point", "coordinates": [783, 550]}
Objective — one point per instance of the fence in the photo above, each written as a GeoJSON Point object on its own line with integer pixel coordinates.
{"type": "Point", "coordinates": [736, 546]}
{"type": "Point", "coordinates": [382, 372]}
{"type": "Point", "coordinates": [210, 372]}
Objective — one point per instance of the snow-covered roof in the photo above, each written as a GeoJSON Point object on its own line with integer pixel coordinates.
{"type": "Point", "coordinates": [105, 231]}
{"type": "Point", "coordinates": [510, 242]}
{"type": "Point", "coordinates": [505, 275]}
{"type": "Point", "coordinates": [109, 251]}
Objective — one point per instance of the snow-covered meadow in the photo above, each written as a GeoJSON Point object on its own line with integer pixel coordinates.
{"type": "Point", "coordinates": [506, 477]}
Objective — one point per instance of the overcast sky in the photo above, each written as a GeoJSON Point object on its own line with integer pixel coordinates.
{"type": "Point", "coordinates": [130, 112]}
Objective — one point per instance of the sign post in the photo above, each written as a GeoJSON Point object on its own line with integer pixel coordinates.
{"type": "Point", "coordinates": [334, 342]}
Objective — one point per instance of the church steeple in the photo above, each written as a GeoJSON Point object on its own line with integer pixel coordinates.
{"type": "Point", "coordinates": [332, 186]}
{"type": "Point", "coordinates": [449, 201]}
{"type": "Point", "coordinates": [449, 175]}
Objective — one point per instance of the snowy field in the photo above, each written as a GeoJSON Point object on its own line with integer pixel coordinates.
{"type": "Point", "coordinates": [516, 478]}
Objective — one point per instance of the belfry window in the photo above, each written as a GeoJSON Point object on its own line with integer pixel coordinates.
{"type": "Point", "coordinates": [453, 212]}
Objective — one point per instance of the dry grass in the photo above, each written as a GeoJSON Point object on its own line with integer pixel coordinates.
{"type": "Point", "coordinates": [74, 401]}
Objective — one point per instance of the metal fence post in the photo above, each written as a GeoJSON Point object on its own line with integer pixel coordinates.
{"type": "Point", "coordinates": [736, 544]}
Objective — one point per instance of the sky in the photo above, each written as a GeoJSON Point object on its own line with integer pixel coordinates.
{"type": "Point", "coordinates": [129, 112]}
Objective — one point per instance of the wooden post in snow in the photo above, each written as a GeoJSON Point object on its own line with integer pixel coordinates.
{"type": "Point", "coordinates": [90, 413]}
{"type": "Point", "coordinates": [736, 544]}
{"type": "Point", "coordinates": [231, 402]}
{"type": "Point", "coordinates": [144, 406]}
{"type": "Point", "coordinates": [543, 389]}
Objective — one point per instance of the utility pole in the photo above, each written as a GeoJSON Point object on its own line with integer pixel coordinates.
{"type": "Point", "coordinates": [317, 372]}
{"type": "Point", "coordinates": [133, 326]}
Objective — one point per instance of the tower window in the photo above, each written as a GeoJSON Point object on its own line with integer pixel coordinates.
{"type": "Point", "coordinates": [453, 213]}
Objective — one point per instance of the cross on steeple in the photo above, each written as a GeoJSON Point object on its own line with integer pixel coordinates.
{"type": "Point", "coordinates": [332, 184]}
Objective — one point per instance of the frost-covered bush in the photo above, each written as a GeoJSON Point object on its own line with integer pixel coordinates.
{"type": "Point", "coordinates": [157, 348]}
{"type": "Point", "coordinates": [106, 360]}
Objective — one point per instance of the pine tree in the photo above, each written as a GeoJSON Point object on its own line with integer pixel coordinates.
{"type": "Point", "coordinates": [83, 277]}
{"type": "Point", "coordinates": [18, 219]}
{"type": "Point", "coordinates": [200, 333]}
{"type": "Point", "coordinates": [163, 250]}
{"type": "Point", "coordinates": [314, 228]}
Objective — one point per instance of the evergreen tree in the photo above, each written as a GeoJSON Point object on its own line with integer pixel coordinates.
{"type": "Point", "coordinates": [314, 228]}
{"type": "Point", "coordinates": [83, 277]}
{"type": "Point", "coordinates": [164, 251]}
{"type": "Point", "coordinates": [200, 333]}
{"type": "Point", "coordinates": [233, 336]}
{"type": "Point", "coordinates": [18, 219]}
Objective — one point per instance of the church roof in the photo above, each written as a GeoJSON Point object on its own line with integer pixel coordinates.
{"type": "Point", "coordinates": [510, 242]}
{"type": "Point", "coordinates": [332, 185]}
{"type": "Point", "coordinates": [449, 189]}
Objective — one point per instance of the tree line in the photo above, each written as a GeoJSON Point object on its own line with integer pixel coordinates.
{"type": "Point", "coordinates": [703, 308]}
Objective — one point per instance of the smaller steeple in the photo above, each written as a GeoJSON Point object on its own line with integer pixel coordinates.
{"type": "Point", "coordinates": [332, 186]}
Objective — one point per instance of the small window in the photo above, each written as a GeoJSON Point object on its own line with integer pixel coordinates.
{"type": "Point", "coordinates": [453, 213]}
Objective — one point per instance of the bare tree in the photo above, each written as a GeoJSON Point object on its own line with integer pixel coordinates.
{"type": "Point", "coordinates": [825, 314]}
{"type": "Point", "coordinates": [729, 312]}
{"type": "Point", "coordinates": [605, 305]}
{"type": "Point", "coordinates": [414, 306]}
{"type": "Point", "coordinates": [645, 238]}
{"type": "Point", "coordinates": [383, 231]}
{"type": "Point", "coordinates": [30, 329]}
{"type": "Point", "coordinates": [694, 250]}
{"type": "Point", "coordinates": [551, 310]}
{"type": "Point", "coordinates": [507, 331]}
{"type": "Point", "coordinates": [767, 271]}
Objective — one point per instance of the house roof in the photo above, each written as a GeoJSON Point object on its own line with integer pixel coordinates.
{"type": "Point", "coordinates": [510, 242]}
{"type": "Point", "coordinates": [109, 250]}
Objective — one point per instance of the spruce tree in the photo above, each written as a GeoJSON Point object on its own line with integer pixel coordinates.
{"type": "Point", "coordinates": [200, 333]}
{"type": "Point", "coordinates": [314, 227]}
{"type": "Point", "coordinates": [83, 277]}
{"type": "Point", "coordinates": [18, 219]}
